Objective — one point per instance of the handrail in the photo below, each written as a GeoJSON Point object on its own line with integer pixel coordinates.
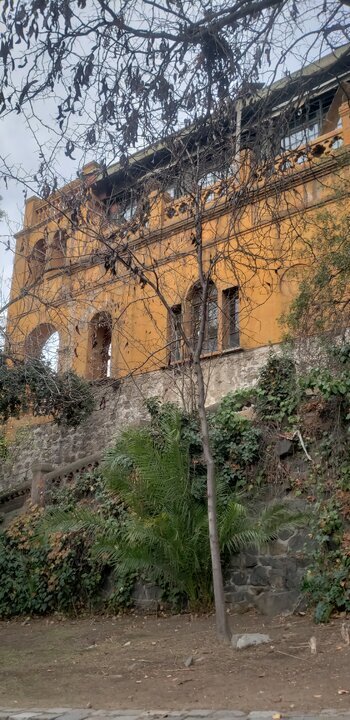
{"type": "Point", "coordinates": [11, 494]}
{"type": "Point", "coordinates": [66, 470]}
{"type": "Point", "coordinates": [318, 147]}
{"type": "Point", "coordinates": [44, 475]}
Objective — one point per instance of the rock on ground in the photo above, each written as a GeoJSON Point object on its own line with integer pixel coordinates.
{"type": "Point", "coordinates": [248, 640]}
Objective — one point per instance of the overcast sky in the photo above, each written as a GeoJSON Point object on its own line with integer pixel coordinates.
{"type": "Point", "coordinates": [19, 146]}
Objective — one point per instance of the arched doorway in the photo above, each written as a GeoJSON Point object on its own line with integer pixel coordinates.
{"type": "Point", "coordinates": [43, 343]}
{"type": "Point", "coordinates": [99, 348]}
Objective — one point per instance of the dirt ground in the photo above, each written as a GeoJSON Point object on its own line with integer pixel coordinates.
{"type": "Point", "coordinates": [138, 662]}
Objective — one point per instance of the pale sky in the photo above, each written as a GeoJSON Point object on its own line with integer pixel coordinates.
{"type": "Point", "coordinates": [20, 150]}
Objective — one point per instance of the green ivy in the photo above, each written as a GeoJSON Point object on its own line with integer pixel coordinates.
{"type": "Point", "coordinates": [46, 571]}
{"type": "Point", "coordinates": [3, 448]}
{"type": "Point", "coordinates": [121, 597]}
{"type": "Point", "coordinates": [33, 387]}
{"type": "Point", "coordinates": [236, 441]}
{"type": "Point", "coordinates": [89, 487]}
{"type": "Point", "coordinates": [40, 577]}
{"type": "Point", "coordinates": [277, 392]}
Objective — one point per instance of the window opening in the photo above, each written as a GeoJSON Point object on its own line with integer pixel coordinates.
{"type": "Point", "coordinates": [37, 260]}
{"type": "Point", "coordinates": [43, 344]}
{"type": "Point", "coordinates": [175, 334]}
{"type": "Point", "coordinates": [306, 124]}
{"type": "Point", "coordinates": [210, 341]}
{"type": "Point", "coordinates": [231, 318]}
{"type": "Point", "coordinates": [100, 346]}
{"type": "Point", "coordinates": [49, 353]}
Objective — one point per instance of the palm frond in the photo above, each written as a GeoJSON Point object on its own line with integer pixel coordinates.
{"type": "Point", "coordinates": [278, 516]}
{"type": "Point", "coordinates": [164, 533]}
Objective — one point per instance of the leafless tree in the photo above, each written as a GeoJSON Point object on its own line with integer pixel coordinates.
{"type": "Point", "coordinates": [124, 77]}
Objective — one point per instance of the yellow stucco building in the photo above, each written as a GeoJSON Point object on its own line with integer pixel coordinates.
{"type": "Point", "coordinates": [254, 210]}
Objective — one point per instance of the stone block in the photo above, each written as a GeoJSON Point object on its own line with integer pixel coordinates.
{"type": "Point", "coordinates": [286, 533]}
{"type": "Point", "coordinates": [278, 547]}
{"type": "Point", "coordinates": [250, 559]}
{"type": "Point", "coordinates": [235, 561]}
{"type": "Point", "coordinates": [146, 595]}
{"type": "Point", "coordinates": [239, 578]}
{"type": "Point", "coordinates": [266, 560]}
{"type": "Point", "coordinates": [277, 578]}
{"type": "Point", "coordinates": [276, 603]}
{"type": "Point", "coordinates": [248, 412]}
{"type": "Point", "coordinates": [300, 542]}
{"type": "Point", "coordinates": [292, 576]}
{"type": "Point", "coordinates": [284, 447]}
{"type": "Point", "coordinates": [242, 601]}
{"type": "Point", "coordinates": [259, 576]}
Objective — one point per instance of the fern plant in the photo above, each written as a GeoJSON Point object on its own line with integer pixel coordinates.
{"type": "Point", "coordinates": [163, 534]}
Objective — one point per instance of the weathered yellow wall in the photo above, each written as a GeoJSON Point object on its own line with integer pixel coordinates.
{"type": "Point", "coordinates": [270, 230]}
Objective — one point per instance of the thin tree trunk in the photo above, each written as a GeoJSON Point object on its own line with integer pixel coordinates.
{"type": "Point", "coordinates": [222, 625]}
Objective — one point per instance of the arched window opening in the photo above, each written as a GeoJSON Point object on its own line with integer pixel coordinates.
{"type": "Point", "coordinates": [36, 260]}
{"type": "Point", "coordinates": [100, 341]}
{"type": "Point", "coordinates": [49, 353]}
{"type": "Point", "coordinates": [210, 339]}
{"type": "Point", "coordinates": [57, 250]}
{"type": "Point", "coordinates": [43, 344]}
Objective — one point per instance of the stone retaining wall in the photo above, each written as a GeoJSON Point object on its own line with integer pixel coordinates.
{"type": "Point", "coordinates": [269, 580]}
{"type": "Point", "coordinates": [119, 403]}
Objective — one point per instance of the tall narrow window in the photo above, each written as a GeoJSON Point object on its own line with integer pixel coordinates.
{"type": "Point", "coordinates": [231, 318]}
{"type": "Point", "coordinates": [210, 340]}
{"type": "Point", "coordinates": [100, 340]}
{"type": "Point", "coordinates": [37, 260]}
{"type": "Point", "coordinates": [175, 326]}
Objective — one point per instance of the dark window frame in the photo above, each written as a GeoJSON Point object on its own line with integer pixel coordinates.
{"type": "Point", "coordinates": [175, 333]}
{"type": "Point", "coordinates": [211, 335]}
{"type": "Point", "coordinates": [230, 309]}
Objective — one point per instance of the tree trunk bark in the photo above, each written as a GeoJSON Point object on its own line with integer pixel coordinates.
{"type": "Point", "coordinates": [222, 625]}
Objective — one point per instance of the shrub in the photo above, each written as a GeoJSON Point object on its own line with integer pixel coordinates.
{"type": "Point", "coordinates": [3, 448]}
{"type": "Point", "coordinates": [165, 533]}
{"type": "Point", "coordinates": [277, 394]}
{"type": "Point", "coordinates": [39, 577]}
{"type": "Point", "coordinates": [236, 441]}
{"type": "Point", "coordinates": [327, 581]}
{"type": "Point", "coordinates": [32, 386]}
